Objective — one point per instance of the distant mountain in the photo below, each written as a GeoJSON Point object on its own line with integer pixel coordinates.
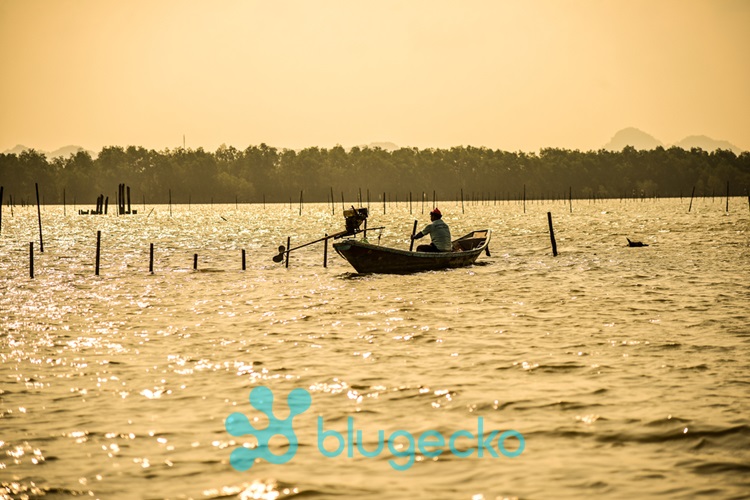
{"type": "Point", "coordinates": [64, 151]}
{"type": "Point", "coordinates": [706, 144]}
{"type": "Point", "coordinates": [20, 148]}
{"type": "Point", "coordinates": [385, 146]}
{"type": "Point", "coordinates": [642, 141]}
{"type": "Point", "coordinates": [632, 137]}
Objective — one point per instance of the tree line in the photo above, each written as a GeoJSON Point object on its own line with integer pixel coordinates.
{"type": "Point", "coordinates": [264, 173]}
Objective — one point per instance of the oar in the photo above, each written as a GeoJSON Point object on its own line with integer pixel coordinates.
{"type": "Point", "coordinates": [413, 232]}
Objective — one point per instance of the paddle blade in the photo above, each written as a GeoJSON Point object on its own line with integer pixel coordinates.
{"type": "Point", "coordinates": [278, 258]}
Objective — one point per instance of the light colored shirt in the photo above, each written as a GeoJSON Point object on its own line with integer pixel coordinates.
{"type": "Point", "coordinates": [440, 235]}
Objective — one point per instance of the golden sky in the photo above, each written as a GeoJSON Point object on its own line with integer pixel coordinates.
{"type": "Point", "coordinates": [512, 75]}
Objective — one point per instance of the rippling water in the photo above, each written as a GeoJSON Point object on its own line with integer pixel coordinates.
{"type": "Point", "coordinates": [625, 369]}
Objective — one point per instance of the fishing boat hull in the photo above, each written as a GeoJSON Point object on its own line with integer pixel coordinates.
{"type": "Point", "coordinates": [369, 258]}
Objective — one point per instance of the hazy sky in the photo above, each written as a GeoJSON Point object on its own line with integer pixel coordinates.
{"type": "Point", "coordinates": [513, 75]}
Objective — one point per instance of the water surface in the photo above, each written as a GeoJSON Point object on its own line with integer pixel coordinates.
{"type": "Point", "coordinates": [625, 369]}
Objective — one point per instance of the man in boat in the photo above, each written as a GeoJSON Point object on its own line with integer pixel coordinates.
{"type": "Point", "coordinates": [439, 233]}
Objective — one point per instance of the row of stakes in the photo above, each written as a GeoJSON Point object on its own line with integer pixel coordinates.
{"type": "Point", "coordinates": [276, 258]}
{"type": "Point", "coordinates": [283, 254]}
{"type": "Point", "coordinates": [354, 218]}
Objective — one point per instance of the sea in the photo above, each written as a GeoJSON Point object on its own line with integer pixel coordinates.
{"type": "Point", "coordinates": [607, 371]}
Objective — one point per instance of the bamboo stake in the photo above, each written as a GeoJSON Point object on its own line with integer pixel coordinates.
{"type": "Point", "coordinates": [570, 198]}
{"type": "Point", "coordinates": [552, 234]}
{"type": "Point", "coordinates": [39, 212]}
{"type": "Point", "coordinates": [727, 197]}
{"type": "Point", "coordinates": [98, 250]}
{"type": "Point", "coordinates": [288, 245]}
{"type": "Point", "coordinates": [691, 200]}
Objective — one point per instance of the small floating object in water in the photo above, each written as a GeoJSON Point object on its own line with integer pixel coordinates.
{"type": "Point", "coordinates": [636, 243]}
{"type": "Point", "coordinates": [280, 257]}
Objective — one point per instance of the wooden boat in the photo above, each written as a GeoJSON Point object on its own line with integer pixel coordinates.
{"type": "Point", "coordinates": [369, 258]}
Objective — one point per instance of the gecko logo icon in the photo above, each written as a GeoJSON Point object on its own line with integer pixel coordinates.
{"type": "Point", "coordinates": [237, 424]}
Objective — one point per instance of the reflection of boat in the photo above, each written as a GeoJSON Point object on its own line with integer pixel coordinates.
{"type": "Point", "coordinates": [369, 258]}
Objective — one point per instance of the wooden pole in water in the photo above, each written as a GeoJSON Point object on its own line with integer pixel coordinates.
{"type": "Point", "coordinates": [98, 251]}
{"type": "Point", "coordinates": [170, 203]}
{"type": "Point", "coordinates": [383, 202]}
{"type": "Point", "coordinates": [727, 197]}
{"type": "Point", "coordinates": [288, 246]}
{"type": "Point", "coordinates": [1, 201]}
{"type": "Point", "coordinates": [462, 201]}
{"type": "Point", "coordinates": [570, 198]}
{"type": "Point", "coordinates": [342, 201]}
{"type": "Point", "coordinates": [151, 259]}
{"type": "Point", "coordinates": [409, 202]}
{"type": "Point", "coordinates": [244, 266]}
{"type": "Point", "coordinates": [524, 198]}
{"type": "Point", "coordinates": [195, 262]}
{"type": "Point", "coordinates": [129, 210]}
{"type": "Point", "coordinates": [39, 213]}
{"type": "Point", "coordinates": [31, 259]}
{"type": "Point", "coordinates": [333, 203]}
{"type": "Point", "coordinates": [691, 200]}
{"type": "Point", "coordinates": [300, 202]}
{"type": "Point", "coordinates": [552, 234]}
{"type": "Point", "coordinates": [325, 250]}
